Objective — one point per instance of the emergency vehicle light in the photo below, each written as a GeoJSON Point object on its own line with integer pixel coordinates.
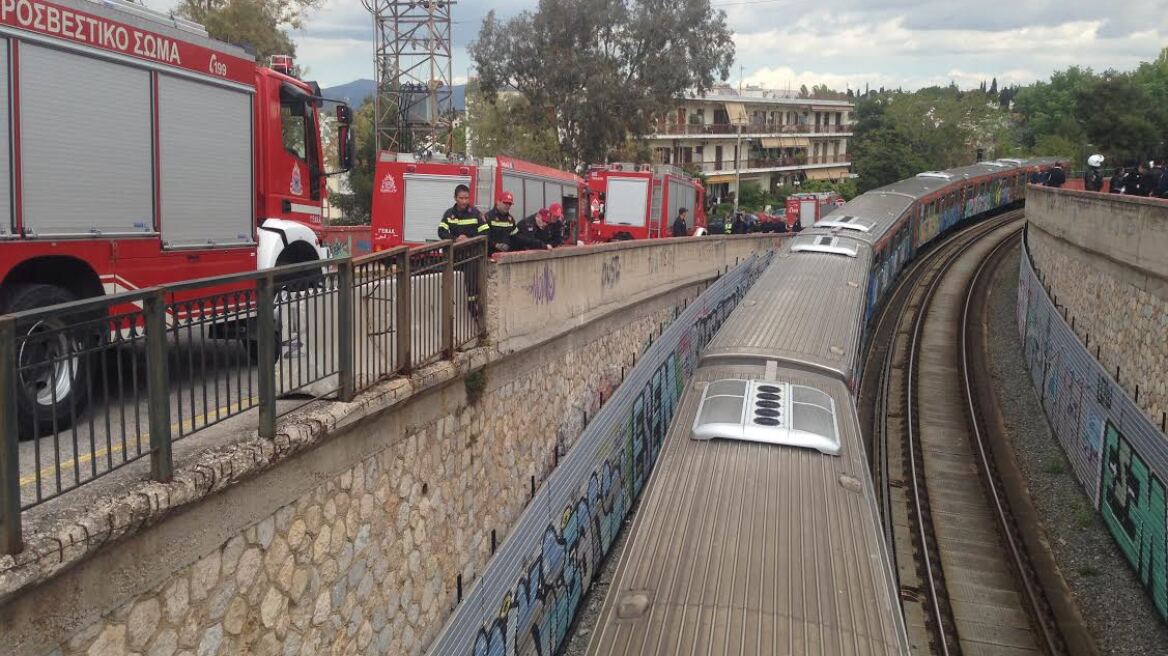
{"type": "Point", "coordinates": [282, 64]}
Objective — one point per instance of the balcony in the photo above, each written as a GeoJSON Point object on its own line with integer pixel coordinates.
{"type": "Point", "coordinates": [729, 129]}
{"type": "Point", "coordinates": [758, 165]}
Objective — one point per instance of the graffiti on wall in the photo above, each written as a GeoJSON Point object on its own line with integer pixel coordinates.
{"type": "Point", "coordinates": [610, 272]}
{"type": "Point", "coordinates": [533, 614]}
{"type": "Point", "coordinates": [542, 287]}
{"type": "Point", "coordinates": [1134, 510]}
{"type": "Point", "coordinates": [1117, 454]}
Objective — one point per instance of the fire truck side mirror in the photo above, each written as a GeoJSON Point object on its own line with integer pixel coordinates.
{"type": "Point", "coordinates": [344, 115]}
{"type": "Point", "coordinates": [345, 147]}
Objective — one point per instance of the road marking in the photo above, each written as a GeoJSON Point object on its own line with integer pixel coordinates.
{"type": "Point", "coordinates": [50, 472]}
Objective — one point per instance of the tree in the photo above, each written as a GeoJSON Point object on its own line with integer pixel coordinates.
{"type": "Point", "coordinates": [494, 130]}
{"type": "Point", "coordinates": [256, 24]}
{"type": "Point", "coordinates": [596, 71]}
{"type": "Point", "coordinates": [994, 87]}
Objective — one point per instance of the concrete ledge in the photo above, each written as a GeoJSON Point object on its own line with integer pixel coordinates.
{"type": "Point", "coordinates": [535, 296]}
{"type": "Point", "coordinates": [1128, 230]}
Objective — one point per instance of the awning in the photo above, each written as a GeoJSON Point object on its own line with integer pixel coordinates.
{"type": "Point", "coordinates": [786, 142]}
{"type": "Point", "coordinates": [737, 112]}
{"type": "Point", "coordinates": [719, 179]}
{"type": "Point", "coordinates": [826, 174]}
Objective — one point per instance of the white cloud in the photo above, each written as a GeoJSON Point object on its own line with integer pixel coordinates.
{"type": "Point", "coordinates": [894, 43]}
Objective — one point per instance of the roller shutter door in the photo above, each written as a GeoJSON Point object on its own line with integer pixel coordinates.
{"type": "Point", "coordinates": [7, 223]}
{"type": "Point", "coordinates": [514, 184]}
{"type": "Point", "coordinates": [427, 199]}
{"type": "Point", "coordinates": [205, 162]}
{"type": "Point", "coordinates": [533, 200]}
{"type": "Point", "coordinates": [86, 145]}
{"type": "Point", "coordinates": [625, 201]}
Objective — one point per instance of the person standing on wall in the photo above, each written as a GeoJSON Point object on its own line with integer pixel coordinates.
{"type": "Point", "coordinates": [499, 225]}
{"type": "Point", "coordinates": [680, 228]}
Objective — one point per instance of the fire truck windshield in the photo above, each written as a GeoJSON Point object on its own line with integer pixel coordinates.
{"type": "Point", "coordinates": [298, 124]}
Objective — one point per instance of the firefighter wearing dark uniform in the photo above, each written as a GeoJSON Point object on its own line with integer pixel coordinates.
{"type": "Point", "coordinates": [534, 232]}
{"type": "Point", "coordinates": [680, 229]}
{"type": "Point", "coordinates": [462, 220]}
{"type": "Point", "coordinates": [499, 225]}
{"type": "Point", "coordinates": [460, 223]}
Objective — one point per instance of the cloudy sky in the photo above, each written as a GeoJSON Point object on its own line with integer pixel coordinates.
{"type": "Point", "coordinates": [781, 43]}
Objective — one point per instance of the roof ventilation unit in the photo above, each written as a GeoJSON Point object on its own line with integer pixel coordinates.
{"type": "Point", "coordinates": [768, 412]}
{"type": "Point", "coordinates": [935, 174]}
{"type": "Point", "coordinates": [824, 244]}
{"type": "Point", "coordinates": [847, 223]}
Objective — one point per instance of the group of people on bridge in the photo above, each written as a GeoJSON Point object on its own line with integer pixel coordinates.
{"type": "Point", "coordinates": [542, 230]}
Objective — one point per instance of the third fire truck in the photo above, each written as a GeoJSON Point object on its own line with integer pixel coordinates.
{"type": "Point", "coordinates": [628, 201]}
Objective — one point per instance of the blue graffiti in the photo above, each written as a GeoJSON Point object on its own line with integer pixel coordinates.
{"type": "Point", "coordinates": [535, 613]}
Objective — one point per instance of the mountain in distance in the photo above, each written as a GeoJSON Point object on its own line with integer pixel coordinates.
{"type": "Point", "coordinates": [354, 93]}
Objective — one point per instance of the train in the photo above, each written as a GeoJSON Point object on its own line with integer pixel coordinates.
{"type": "Point", "coordinates": [759, 527]}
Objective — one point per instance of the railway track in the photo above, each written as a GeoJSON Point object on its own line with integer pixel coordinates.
{"type": "Point", "coordinates": [966, 579]}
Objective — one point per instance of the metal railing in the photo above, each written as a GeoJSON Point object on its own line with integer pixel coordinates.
{"type": "Point", "coordinates": [91, 386]}
{"type": "Point", "coordinates": [771, 163]}
{"type": "Point", "coordinates": [751, 128]}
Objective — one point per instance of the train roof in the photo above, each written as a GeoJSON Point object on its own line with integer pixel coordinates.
{"type": "Point", "coordinates": [743, 547]}
{"type": "Point", "coordinates": [867, 216]}
{"type": "Point", "coordinates": [805, 309]}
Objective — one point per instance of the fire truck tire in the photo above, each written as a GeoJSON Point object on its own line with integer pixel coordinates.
{"type": "Point", "coordinates": [49, 395]}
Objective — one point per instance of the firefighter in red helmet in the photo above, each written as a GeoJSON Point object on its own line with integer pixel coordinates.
{"type": "Point", "coordinates": [499, 225]}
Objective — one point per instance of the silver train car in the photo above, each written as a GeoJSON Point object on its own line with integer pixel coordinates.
{"type": "Point", "coordinates": [758, 532]}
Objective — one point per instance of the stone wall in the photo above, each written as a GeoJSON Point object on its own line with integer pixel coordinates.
{"type": "Point", "coordinates": [356, 546]}
{"type": "Point", "coordinates": [1104, 260]}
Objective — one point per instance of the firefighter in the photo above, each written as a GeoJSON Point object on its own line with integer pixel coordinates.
{"type": "Point", "coordinates": [555, 228]}
{"type": "Point", "coordinates": [499, 225]}
{"type": "Point", "coordinates": [533, 233]}
{"type": "Point", "coordinates": [462, 221]}
{"type": "Point", "coordinates": [727, 225]}
{"type": "Point", "coordinates": [739, 226]}
{"type": "Point", "coordinates": [680, 229]}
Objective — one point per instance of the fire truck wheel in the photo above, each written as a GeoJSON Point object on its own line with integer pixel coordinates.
{"type": "Point", "coordinates": [51, 364]}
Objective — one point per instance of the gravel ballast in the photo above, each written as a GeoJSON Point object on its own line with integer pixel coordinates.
{"type": "Point", "coordinates": [1118, 611]}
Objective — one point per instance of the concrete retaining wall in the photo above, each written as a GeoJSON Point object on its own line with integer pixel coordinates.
{"type": "Point", "coordinates": [1104, 260]}
{"type": "Point", "coordinates": [352, 530]}
{"type": "Point", "coordinates": [1118, 455]}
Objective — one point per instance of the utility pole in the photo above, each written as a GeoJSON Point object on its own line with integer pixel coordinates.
{"type": "Point", "coordinates": [413, 96]}
{"type": "Point", "coordinates": [738, 147]}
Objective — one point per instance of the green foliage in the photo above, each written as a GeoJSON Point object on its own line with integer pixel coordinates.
{"type": "Point", "coordinates": [257, 24]}
{"type": "Point", "coordinates": [494, 130]}
{"type": "Point", "coordinates": [1123, 116]}
{"type": "Point", "coordinates": [849, 189]}
{"type": "Point", "coordinates": [595, 71]}
{"type": "Point", "coordinates": [753, 197]}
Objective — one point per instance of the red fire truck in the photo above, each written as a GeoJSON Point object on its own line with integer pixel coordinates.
{"type": "Point", "coordinates": [628, 201]}
{"type": "Point", "coordinates": [138, 152]}
{"type": "Point", "coordinates": [410, 195]}
{"type": "Point", "coordinates": [806, 209]}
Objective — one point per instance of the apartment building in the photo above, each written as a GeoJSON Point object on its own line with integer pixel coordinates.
{"type": "Point", "coordinates": [772, 138]}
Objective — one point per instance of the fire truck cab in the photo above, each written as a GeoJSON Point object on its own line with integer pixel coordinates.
{"type": "Point", "coordinates": [410, 195]}
{"type": "Point", "coordinates": [628, 201]}
{"type": "Point", "coordinates": [138, 152]}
